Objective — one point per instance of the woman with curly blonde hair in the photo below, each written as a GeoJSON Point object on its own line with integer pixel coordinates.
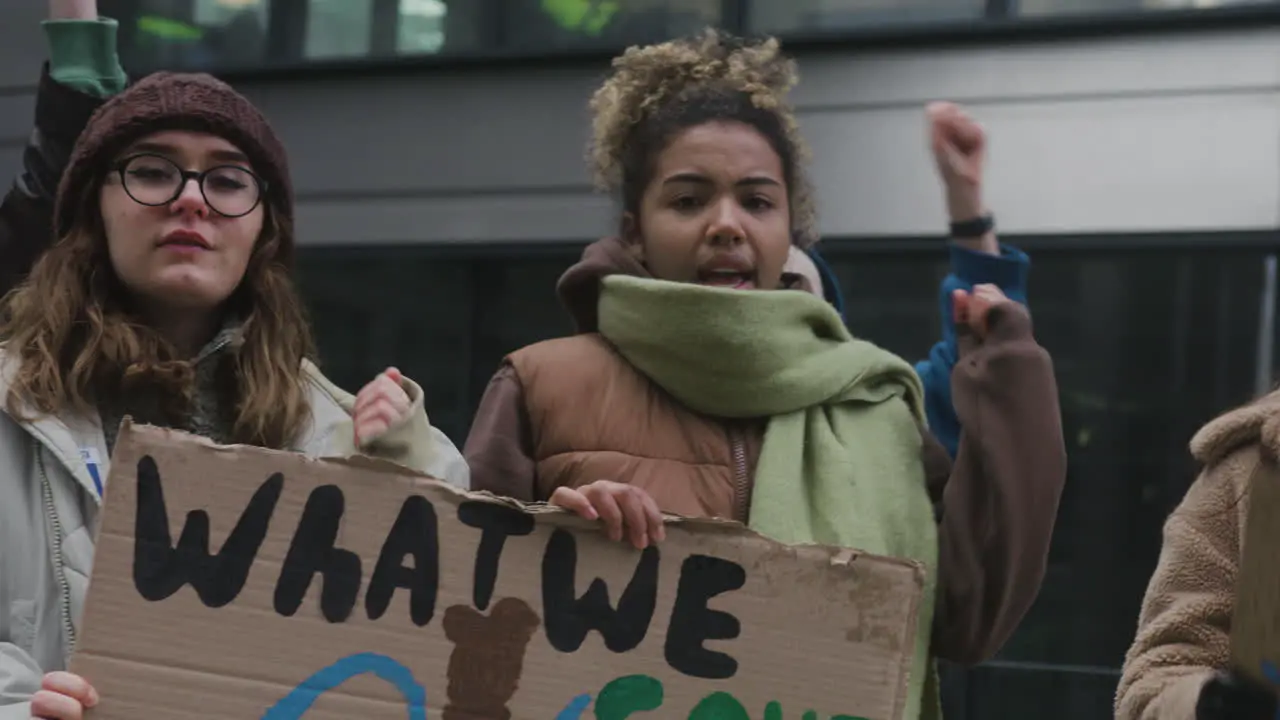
{"type": "Point", "coordinates": [701, 385]}
{"type": "Point", "coordinates": [167, 298]}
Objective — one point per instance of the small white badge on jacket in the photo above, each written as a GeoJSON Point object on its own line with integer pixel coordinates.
{"type": "Point", "coordinates": [91, 460]}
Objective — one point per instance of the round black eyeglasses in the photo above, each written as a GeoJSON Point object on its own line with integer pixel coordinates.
{"type": "Point", "coordinates": [153, 180]}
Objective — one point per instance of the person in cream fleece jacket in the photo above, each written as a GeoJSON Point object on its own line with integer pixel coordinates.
{"type": "Point", "coordinates": [1178, 667]}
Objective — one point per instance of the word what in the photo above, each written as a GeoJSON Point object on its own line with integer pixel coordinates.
{"type": "Point", "coordinates": [161, 568]}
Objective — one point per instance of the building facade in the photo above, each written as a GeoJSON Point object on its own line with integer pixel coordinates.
{"type": "Point", "coordinates": [437, 149]}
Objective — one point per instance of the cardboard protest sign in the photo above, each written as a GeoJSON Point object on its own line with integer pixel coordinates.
{"type": "Point", "coordinates": [1255, 626]}
{"type": "Point", "coordinates": [237, 583]}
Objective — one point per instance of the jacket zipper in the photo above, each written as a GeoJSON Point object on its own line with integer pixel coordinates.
{"type": "Point", "coordinates": [60, 571]}
{"type": "Point", "coordinates": [218, 344]}
{"type": "Point", "coordinates": [738, 449]}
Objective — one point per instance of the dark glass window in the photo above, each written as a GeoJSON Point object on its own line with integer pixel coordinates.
{"type": "Point", "coordinates": [446, 320]}
{"type": "Point", "coordinates": [238, 34]}
{"type": "Point", "coordinates": [1076, 7]}
{"type": "Point", "coordinates": [800, 16]}
{"type": "Point", "coordinates": [1147, 347]}
{"type": "Point", "coordinates": [221, 34]}
{"type": "Point", "coordinates": [195, 34]}
{"type": "Point", "coordinates": [546, 24]}
{"type": "Point", "coordinates": [1147, 344]}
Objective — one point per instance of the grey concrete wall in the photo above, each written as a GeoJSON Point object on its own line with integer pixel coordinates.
{"type": "Point", "coordinates": [22, 50]}
{"type": "Point", "coordinates": [1158, 133]}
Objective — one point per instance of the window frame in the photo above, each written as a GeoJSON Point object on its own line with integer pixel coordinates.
{"type": "Point", "coordinates": [999, 24]}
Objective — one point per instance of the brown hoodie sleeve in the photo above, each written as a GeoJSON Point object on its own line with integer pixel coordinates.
{"type": "Point", "coordinates": [999, 504]}
{"type": "Point", "coordinates": [498, 446]}
{"type": "Point", "coordinates": [1185, 625]}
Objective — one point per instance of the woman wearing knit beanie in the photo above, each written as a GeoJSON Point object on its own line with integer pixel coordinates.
{"type": "Point", "coordinates": [168, 298]}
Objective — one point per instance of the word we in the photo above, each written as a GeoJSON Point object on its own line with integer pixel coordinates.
{"type": "Point", "coordinates": [161, 568]}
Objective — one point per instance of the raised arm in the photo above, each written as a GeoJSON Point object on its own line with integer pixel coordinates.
{"type": "Point", "coordinates": [1000, 501]}
{"type": "Point", "coordinates": [82, 71]}
{"type": "Point", "coordinates": [959, 146]}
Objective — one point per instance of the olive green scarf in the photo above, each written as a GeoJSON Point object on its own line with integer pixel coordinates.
{"type": "Point", "coordinates": [841, 462]}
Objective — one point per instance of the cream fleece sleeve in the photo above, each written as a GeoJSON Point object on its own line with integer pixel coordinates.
{"type": "Point", "coordinates": [413, 442]}
{"type": "Point", "coordinates": [1185, 625]}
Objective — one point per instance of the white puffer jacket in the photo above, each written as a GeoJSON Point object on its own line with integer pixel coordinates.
{"type": "Point", "coordinates": [49, 511]}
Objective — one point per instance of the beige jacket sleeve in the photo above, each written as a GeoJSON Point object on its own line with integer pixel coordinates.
{"type": "Point", "coordinates": [1185, 625]}
{"type": "Point", "coordinates": [413, 442]}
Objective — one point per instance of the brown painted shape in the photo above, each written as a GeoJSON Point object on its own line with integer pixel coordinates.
{"type": "Point", "coordinates": [488, 656]}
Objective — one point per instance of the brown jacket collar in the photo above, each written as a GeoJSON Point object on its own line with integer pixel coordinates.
{"type": "Point", "coordinates": [579, 286]}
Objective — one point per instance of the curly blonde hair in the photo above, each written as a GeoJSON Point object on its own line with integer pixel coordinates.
{"type": "Point", "coordinates": [658, 90]}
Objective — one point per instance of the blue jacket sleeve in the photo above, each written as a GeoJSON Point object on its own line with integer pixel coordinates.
{"type": "Point", "coordinates": [1007, 271]}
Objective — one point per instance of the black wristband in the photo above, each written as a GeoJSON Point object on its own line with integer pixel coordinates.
{"type": "Point", "coordinates": [975, 228]}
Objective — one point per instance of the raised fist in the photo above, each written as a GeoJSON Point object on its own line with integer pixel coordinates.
{"type": "Point", "coordinates": [959, 147]}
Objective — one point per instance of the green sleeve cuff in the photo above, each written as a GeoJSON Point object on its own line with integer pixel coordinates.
{"type": "Point", "coordinates": [83, 56]}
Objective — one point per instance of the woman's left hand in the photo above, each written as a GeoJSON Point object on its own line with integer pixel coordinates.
{"type": "Point", "coordinates": [959, 147]}
{"type": "Point", "coordinates": [380, 406]}
{"type": "Point", "coordinates": [972, 308]}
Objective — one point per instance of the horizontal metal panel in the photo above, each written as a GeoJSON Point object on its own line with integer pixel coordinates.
{"type": "Point", "coordinates": [1109, 165]}
{"type": "Point", "coordinates": [434, 132]}
{"type": "Point", "coordinates": [10, 156]}
{"type": "Point", "coordinates": [1097, 67]}
{"type": "Point", "coordinates": [22, 46]}
{"type": "Point", "coordinates": [1206, 162]}
{"type": "Point", "coordinates": [455, 219]}
{"type": "Point", "coordinates": [17, 111]}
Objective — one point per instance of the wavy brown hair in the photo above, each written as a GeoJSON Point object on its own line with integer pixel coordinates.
{"type": "Point", "coordinates": [78, 343]}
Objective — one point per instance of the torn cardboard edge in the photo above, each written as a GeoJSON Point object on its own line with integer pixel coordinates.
{"type": "Point", "coordinates": [847, 636]}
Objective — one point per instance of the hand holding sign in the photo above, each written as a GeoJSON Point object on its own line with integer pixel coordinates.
{"type": "Point", "coordinates": [972, 308]}
{"type": "Point", "coordinates": [63, 696]}
{"type": "Point", "coordinates": [616, 505]}
{"type": "Point", "coordinates": [424, 598]}
{"type": "Point", "coordinates": [380, 406]}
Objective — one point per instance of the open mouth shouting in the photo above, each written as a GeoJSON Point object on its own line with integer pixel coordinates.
{"type": "Point", "coordinates": [728, 271]}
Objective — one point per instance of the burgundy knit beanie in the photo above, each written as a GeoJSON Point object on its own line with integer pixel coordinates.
{"type": "Point", "coordinates": [175, 101]}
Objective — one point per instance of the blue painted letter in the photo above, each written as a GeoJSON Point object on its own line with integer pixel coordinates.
{"type": "Point", "coordinates": [575, 708]}
{"type": "Point", "coordinates": [294, 705]}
